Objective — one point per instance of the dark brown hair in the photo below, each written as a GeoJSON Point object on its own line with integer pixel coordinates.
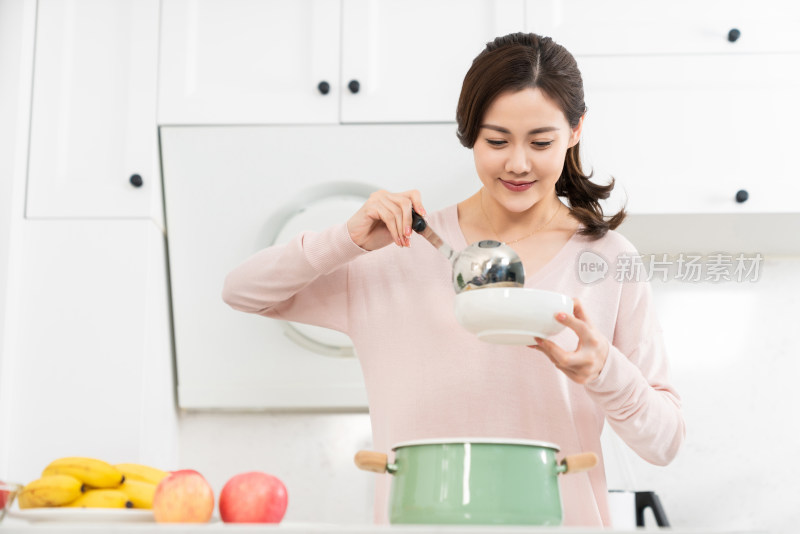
{"type": "Point", "coordinates": [525, 60]}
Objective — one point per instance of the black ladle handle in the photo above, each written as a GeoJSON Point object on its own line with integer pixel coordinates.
{"type": "Point", "coordinates": [418, 224]}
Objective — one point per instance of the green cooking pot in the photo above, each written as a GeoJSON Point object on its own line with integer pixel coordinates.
{"type": "Point", "coordinates": [476, 481]}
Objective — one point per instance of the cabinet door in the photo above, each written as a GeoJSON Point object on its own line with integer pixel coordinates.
{"type": "Point", "coordinates": [407, 58]}
{"type": "Point", "coordinates": [636, 27]}
{"type": "Point", "coordinates": [684, 134]}
{"type": "Point", "coordinates": [93, 121]}
{"type": "Point", "coordinates": [91, 354]}
{"type": "Point", "coordinates": [249, 61]}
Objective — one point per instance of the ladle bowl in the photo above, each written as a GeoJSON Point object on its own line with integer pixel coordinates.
{"type": "Point", "coordinates": [486, 263]}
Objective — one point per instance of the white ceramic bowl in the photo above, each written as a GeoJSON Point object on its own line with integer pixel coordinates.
{"type": "Point", "coordinates": [511, 315]}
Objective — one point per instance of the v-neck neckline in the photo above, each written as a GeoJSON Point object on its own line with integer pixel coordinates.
{"type": "Point", "coordinates": [542, 272]}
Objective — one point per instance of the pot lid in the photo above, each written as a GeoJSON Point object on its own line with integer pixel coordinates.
{"type": "Point", "coordinates": [493, 441]}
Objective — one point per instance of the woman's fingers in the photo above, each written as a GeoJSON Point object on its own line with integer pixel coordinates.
{"type": "Point", "coordinates": [573, 322]}
{"type": "Point", "coordinates": [394, 221]}
{"type": "Point", "coordinates": [401, 205]}
{"type": "Point", "coordinates": [409, 200]}
{"type": "Point", "coordinates": [556, 354]}
{"type": "Point", "coordinates": [416, 201]}
{"type": "Point", "coordinates": [388, 218]}
{"type": "Point", "coordinates": [587, 360]}
{"type": "Point", "coordinates": [578, 366]}
{"type": "Point", "coordinates": [383, 217]}
{"type": "Point", "coordinates": [405, 207]}
{"type": "Point", "coordinates": [578, 311]}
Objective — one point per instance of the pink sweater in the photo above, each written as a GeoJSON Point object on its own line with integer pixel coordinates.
{"type": "Point", "coordinates": [427, 377]}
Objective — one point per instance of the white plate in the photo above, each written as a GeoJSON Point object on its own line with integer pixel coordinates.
{"type": "Point", "coordinates": [82, 515]}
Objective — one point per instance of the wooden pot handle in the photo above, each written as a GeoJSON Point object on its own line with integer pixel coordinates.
{"type": "Point", "coordinates": [577, 463]}
{"type": "Point", "coordinates": [371, 461]}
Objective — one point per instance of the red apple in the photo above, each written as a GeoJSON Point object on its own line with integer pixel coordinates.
{"type": "Point", "coordinates": [183, 497]}
{"type": "Point", "coordinates": [3, 495]}
{"type": "Point", "coordinates": [253, 497]}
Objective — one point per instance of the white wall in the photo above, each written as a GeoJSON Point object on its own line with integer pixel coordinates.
{"type": "Point", "coordinates": [735, 361]}
{"type": "Point", "coordinates": [311, 453]}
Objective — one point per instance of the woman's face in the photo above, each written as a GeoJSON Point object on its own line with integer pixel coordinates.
{"type": "Point", "coordinates": [521, 147]}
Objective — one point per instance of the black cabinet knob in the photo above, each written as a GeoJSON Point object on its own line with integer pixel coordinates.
{"type": "Point", "coordinates": [742, 196]}
{"type": "Point", "coordinates": [136, 180]}
{"type": "Point", "coordinates": [734, 35]}
{"type": "Point", "coordinates": [324, 87]}
{"type": "Point", "coordinates": [354, 86]}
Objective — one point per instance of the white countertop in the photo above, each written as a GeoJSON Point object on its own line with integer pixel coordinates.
{"type": "Point", "coordinates": [22, 527]}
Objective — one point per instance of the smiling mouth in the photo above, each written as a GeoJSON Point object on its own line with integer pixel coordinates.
{"type": "Point", "coordinates": [517, 187]}
{"type": "Point", "coordinates": [517, 183]}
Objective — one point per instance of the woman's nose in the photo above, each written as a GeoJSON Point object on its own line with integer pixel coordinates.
{"type": "Point", "coordinates": [518, 162]}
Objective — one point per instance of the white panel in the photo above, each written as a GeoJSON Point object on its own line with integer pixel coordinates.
{"type": "Point", "coordinates": [93, 122]}
{"type": "Point", "coordinates": [636, 27]}
{"type": "Point", "coordinates": [17, 31]}
{"type": "Point", "coordinates": [410, 57]}
{"type": "Point", "coordinates": [248, 61]}
{"type": "Point", "coordinates": [158, 436]}
{"type": "Point", "coordinates": [91, 371]}
{"type": "Point", "coordinates": [710, 233]}
{"type": "Point", "coordinates": [226, 191]}
{"type": "Point", "coordinates": [683, 134]}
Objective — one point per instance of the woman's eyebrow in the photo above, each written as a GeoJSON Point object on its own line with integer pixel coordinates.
{"type": "Point", "coordinates": [500, 129]}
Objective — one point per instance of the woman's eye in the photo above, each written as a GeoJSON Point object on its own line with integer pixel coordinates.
{"type": "Point", "coordinates": [496, 142]}
{"type": "Point", "coordinates": [542, 144]}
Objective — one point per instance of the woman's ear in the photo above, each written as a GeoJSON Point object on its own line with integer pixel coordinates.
{"type": "Point", "coordinates": [575, 136]}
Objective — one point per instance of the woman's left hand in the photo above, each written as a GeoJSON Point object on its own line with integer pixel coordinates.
{"type": "Point", "coordinates": [585, 364]}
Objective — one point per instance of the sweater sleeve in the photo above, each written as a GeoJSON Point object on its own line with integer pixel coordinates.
{"type": "Point", "coordinates": [304, 280]}
{"type": "Point", "coordinates": [633, 388]}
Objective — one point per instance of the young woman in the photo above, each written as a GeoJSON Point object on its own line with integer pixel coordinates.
{"type": "Point", "coordinates": [521, 112]}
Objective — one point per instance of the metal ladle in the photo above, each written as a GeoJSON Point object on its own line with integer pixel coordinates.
{"type": "Point", "coordinates": [487, 263]}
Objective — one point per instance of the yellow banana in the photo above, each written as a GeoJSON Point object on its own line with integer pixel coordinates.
{"type": "Point", "coordinates": [143, 473]}
{"type": "Point", "coordinates": [94, 473]}
{"type": "Point", "coordinates": [101, 498]}
{"type": "Point", "coordinates": [139, 493]}
{"type": "Point", "coordinates": [53, 490]}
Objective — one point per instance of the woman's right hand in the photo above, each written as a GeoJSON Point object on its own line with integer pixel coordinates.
{"type": "Point", "coordinates": [384, 218]}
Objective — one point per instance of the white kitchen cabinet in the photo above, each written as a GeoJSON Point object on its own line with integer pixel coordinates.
{"type": "Point", "coordinates": [264, 62]}
{"type": "Point", "coordinates": [688, 117]}
{"type": "Point", "coordinates": [249, 61]}
{"type": "Point", "coordinates": [91, 357]}
{"type": "Point", "coordinates": [686, 134]}
{"type": "Point", "coordinates": [409, 58]}
{"type": "Point", "coordinates": [646, 27]}
{"type": "Point", "coordinates": [93, 129]}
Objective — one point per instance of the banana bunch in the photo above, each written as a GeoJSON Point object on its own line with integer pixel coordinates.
{"type": "Point", "coordinates": [94, 473]}
{"type": "Point", "coordinates": [91, 483]}
{"type": "Point", "coordinates": [54, 490]}
{"type": "Point", "coordinates": [142, 473]}
{"type": "Point", "coordinates": [101, 498]}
